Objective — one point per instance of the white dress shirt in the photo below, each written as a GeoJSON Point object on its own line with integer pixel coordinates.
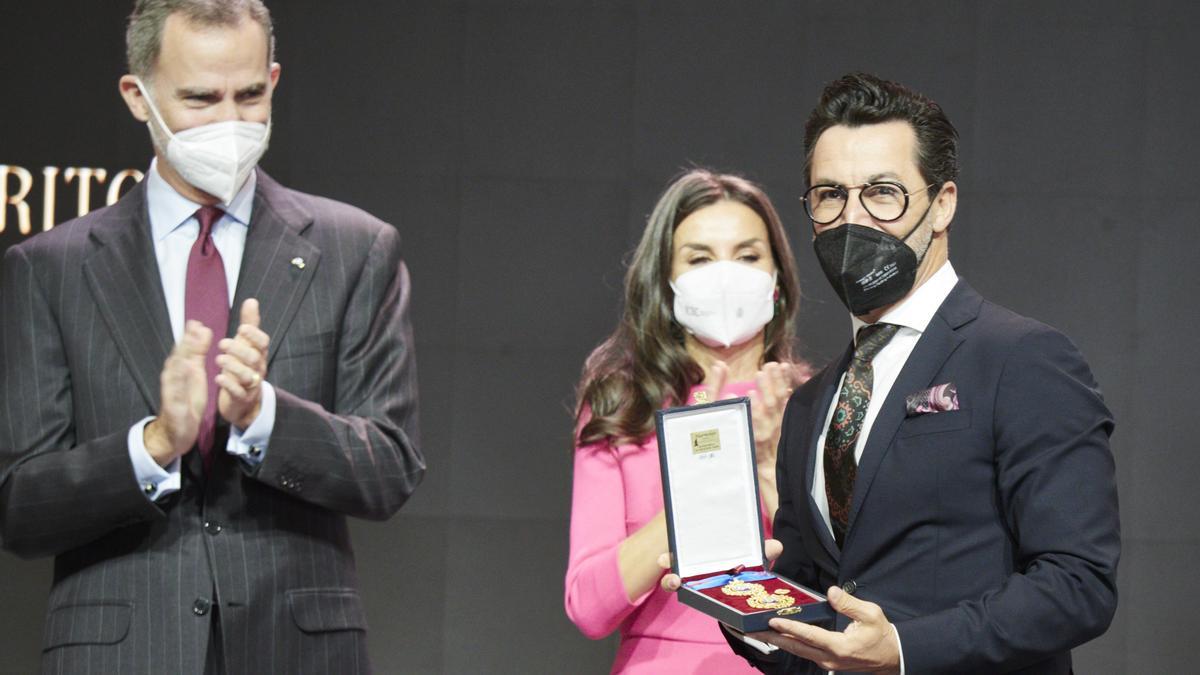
{"type": "Point", "coordinates": [174, 229]}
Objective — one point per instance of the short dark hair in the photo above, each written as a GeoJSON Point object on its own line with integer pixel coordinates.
{"type": "Point", "coordinates": [859, 99]}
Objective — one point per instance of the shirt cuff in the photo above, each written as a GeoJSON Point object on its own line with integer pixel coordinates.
{"type": "Point", "coordinates": [899, 646]}
{"type": "Point", "coordinates": [156, 481]}
{"type": "Point", "coordinates": [761, 646]}
{"type": "Point", "coordinates": [250, 444]}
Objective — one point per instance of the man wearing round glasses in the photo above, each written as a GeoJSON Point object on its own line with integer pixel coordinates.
{"type": "Point", "coordinates": [949, 478]}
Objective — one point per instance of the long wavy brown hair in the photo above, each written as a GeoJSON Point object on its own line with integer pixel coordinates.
{"type": "Point", "coordinates": [643, 364]}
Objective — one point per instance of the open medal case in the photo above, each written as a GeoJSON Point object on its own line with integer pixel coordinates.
{"type": "Point", "coordinates": [710, 488]}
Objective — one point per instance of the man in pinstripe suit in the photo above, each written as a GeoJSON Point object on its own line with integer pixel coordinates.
{"type": "Point", "coordinates": [235, 557]}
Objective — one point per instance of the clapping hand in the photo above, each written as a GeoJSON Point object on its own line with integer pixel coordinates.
{"type": "Point", "coordinates": [773, 387]}
{"type": "Point", "coordinates": [184, 393]}
{"type": "Point", "coordinates": [243, 363]}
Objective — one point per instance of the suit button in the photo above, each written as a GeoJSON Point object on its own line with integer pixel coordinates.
{"type": "Point", "coordinates": [850, 587]}
{"type": "Point", "coordinates": [201, 606]}
{"type": "Point", "coordinates": [212, 527]}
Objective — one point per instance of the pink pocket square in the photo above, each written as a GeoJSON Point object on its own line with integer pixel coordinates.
{"type": "Point", "coordinates": [938, 398]}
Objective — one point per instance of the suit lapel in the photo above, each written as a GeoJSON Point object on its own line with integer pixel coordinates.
{"type": "Point", "coordinates": [936, 345]}
{"type": "Point", "coordinates": [278, 264]}
{"type": "Point", "coordinates": [123, 278]}
{"type": "Point", "coordinates": [825, 396]}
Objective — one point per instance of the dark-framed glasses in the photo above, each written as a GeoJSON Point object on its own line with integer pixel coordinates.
{"type": "Point", "coordinates": [884, 200]}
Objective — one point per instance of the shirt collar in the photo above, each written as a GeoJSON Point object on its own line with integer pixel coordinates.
{"type": "Point", "coordinates": [917, 310]}
{"type": "Point", "coordinates": [169, 210]}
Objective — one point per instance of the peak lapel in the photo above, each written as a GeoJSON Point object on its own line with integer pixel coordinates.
{"type": "Point", "coordinates": [123, 278]}
{"type": "Point", "coordinates": [278, 264]}
{"type": "Point", "coordinates": [826, 392]}
{"type": "Point", "coordinates": [933, 348]}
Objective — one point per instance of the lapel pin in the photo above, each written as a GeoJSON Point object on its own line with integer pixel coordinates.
{"type": "Point", "coordinates": [298, 263]}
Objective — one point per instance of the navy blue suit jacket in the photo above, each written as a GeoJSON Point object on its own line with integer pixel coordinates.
{"type": "Point", "coordinates": [989, 535]}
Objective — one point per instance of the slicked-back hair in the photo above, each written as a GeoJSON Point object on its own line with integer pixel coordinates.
{"type": "Point", "coordinates": [644, 364]}
{"type": "Point", "coordinates": [143, 36]}
{"type": "Point", "coordinates": [860, 99]}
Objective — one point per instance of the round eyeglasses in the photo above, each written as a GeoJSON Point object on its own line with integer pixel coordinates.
{"type": "Point", "coordinates": [885, 200]}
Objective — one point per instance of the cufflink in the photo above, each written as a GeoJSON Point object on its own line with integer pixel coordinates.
{"type": "Point", "coordinates": [148, 488]}
{"type": "Point", "coordinates": [255, 451]}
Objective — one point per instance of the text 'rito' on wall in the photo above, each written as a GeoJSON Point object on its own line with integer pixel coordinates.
{"type": "Point", "coordinates": [17, 183]}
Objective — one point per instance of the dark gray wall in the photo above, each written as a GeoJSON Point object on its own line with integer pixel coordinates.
{"type": "Point", "coordinates": [518, 146]}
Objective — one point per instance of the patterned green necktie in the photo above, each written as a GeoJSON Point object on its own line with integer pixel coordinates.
{"type": "Point", "coordinates": [840, 467]}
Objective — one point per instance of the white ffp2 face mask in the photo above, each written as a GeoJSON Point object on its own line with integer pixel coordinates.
{"type": "Point", "coordinates": [724, 303]}
{"type": "Point", "coordinates": [216, 158]}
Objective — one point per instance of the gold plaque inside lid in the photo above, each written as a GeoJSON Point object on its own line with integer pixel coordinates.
{"type": "Point", "coordinates": [706, 441]}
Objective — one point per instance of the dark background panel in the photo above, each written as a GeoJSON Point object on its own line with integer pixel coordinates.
{"type": "Point", "coordinates": [528, 250]}
{"type": "Point", "coordinates": [513, 437]}
{"type": "Point", "coordinates": [1148, 642]}
{"type": "Point", "coordinates": [1066, 86]}
{"type": "Point", "coordinates": [518, 147]}
{"type": "Point", "coordinates": [1162, 507]}
{"type": "Point", "coordinates": [1167, 161]}
{"type": "Point", "coordinates": [504, 602]}
{"type": "Point", "coordinates": [547, 89]}
{"type": "Point", "coordinates": [403, 562]}
{"type": "Point", "coordinates": [392, 98]}
{"type": "Point", "coordinates": [717, 84]}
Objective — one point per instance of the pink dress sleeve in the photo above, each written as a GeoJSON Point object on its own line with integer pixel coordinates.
{"type": "Point", "coordinates": [595, 595]}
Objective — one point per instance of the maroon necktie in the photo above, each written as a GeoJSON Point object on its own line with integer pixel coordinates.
{"type": "Point", "coordinates": [206, 299]}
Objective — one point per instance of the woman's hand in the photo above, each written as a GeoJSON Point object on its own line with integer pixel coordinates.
{"type": "Point", "coordinates": [714, 382]}
{"type": "Point", "coordinates": [638, 555]}
{"type": "Point", "coordinates": [774, 384]}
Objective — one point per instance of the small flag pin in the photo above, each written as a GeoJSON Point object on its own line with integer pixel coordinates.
{"type": "Point", "coordinates": [298, 263]}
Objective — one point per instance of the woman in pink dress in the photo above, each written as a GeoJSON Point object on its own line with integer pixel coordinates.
{"type": "Point", "coordinates": [710, 299]}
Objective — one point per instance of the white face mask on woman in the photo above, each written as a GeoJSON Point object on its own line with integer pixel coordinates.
{"type": "Point", "coordinates": [216, 158]}
{"type": "Point", "coordinates": [724, 303]}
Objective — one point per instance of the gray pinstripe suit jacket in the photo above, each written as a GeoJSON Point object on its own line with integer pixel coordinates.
{"type": "Point", "coordinates": [85, 332]}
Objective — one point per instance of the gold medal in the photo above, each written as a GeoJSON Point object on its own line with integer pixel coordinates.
{"type": "Point", "coordinates": [782, 591]}
{"type": "Point", "coordinates": [737, 587]}
{"type": "Point", "coordinates": [770, 601]}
